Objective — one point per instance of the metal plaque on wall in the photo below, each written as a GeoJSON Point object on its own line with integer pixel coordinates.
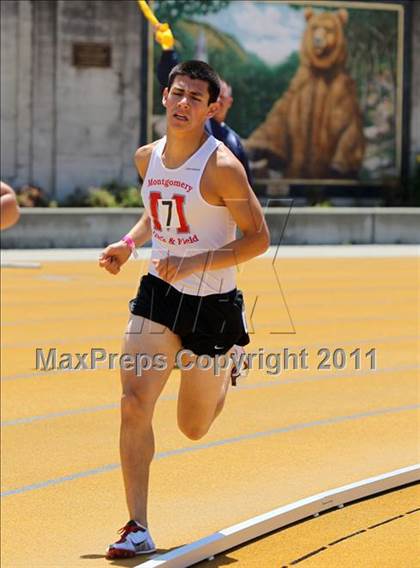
{"type": "Point", "coordinates": [91, 55]}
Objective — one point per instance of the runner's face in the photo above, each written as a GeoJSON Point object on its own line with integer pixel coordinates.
{"type": "Point", "coordinates": [186, 103]}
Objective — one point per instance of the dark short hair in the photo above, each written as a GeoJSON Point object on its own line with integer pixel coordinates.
{"type": "Point", "coordinates": [198, 70]}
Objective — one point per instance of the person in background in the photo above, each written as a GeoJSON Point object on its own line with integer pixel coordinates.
{"type": "Point", "coordinates": [10, 212]}
{"type": "Point", "coordinates": [216, 126]}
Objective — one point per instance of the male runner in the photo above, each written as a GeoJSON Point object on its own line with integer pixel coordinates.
{"type": "Point", "coordinates": [195, 193]}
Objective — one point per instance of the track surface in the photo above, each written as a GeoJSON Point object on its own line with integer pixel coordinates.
{"type": "Point", "coordinates": [373, 533]}
{"type": "Point", "coordinates": [279, 438]}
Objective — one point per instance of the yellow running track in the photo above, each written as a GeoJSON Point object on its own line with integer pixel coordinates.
{"type": "Point", "coordinates": [280, 437]}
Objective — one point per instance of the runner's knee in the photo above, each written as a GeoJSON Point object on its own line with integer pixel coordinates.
{"type": "Point", "coordinates": [192, 430]}
{"type": "Point", "coordinates": [137, 406]}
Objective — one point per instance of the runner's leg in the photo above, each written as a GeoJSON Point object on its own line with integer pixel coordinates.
{"type": "Point", "coordinates": [201, 398]}
{"type": "Point", "coordinates": [139, 396]}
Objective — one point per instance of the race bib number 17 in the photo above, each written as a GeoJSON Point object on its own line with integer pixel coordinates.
{"type": "Point", "coordinates": [168, 213]}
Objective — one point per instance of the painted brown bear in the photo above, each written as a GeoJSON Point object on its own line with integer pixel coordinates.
{"type": "Point", "coordinates": [315, 130]}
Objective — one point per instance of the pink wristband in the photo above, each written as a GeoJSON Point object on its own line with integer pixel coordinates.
{"type": "Point", "coordinates": [130, 242]}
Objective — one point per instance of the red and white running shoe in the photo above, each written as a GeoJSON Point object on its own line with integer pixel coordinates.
{"type": "Point", "coordinates": [135, 539]}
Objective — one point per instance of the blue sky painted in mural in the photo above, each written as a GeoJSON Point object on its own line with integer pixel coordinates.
{"type": "Point", "coordinates": [270, 30]}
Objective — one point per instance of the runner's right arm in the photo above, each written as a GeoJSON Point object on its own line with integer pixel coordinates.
{"type": "Point", "coordinates": [117, 254]}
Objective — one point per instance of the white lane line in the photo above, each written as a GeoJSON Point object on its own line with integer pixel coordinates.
{"type": "Point", "coordinates": [218, 443]}
{"type": "Point", "coordinates": [282, 251]}
{"type": "Point", "coordinates": [242, 386]}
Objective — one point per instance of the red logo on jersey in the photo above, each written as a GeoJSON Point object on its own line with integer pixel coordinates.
{"type": "Point", "coordinates": [163, 212]}
{"type": "Point", "coordinates": [169, 183]}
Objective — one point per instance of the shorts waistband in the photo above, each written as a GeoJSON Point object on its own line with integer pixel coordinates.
{"type": "Point", "coordinates": [168, 287]}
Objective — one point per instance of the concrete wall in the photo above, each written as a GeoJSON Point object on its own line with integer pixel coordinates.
{"type": "Point", "coordinates": [16, 73]}
{"type": "Point", "coordinates": [91, 228]}
{"type": "Point", "coordinates": [415, 85]}
{"type": "Point", "coordinates": [344, 225]}
{"type": "Point", "coordinates": [64, 126]}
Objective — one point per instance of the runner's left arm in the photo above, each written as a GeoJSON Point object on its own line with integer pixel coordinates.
{"type": "Point", "coordinates": [230, 181]}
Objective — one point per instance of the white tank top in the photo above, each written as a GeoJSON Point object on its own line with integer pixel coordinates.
{"type": "Point", "coordinates": [183, 223]}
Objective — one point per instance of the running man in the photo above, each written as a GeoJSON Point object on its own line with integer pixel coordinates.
{"type": "Point", "coordinates": [195, 194]}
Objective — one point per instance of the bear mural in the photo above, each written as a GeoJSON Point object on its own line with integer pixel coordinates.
{"type": "Point", "coordinates": [315, 129]}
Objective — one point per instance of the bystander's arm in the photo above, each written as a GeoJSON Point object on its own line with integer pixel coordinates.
{"type": "Point", "coordinates": [169, 56]}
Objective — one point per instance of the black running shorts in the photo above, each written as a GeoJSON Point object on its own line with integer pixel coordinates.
{"type": "Point", "coordinates": [206, 325]}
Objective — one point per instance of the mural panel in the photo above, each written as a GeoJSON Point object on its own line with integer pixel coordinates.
{"type": "Point", "coordinates": [317, 87]}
